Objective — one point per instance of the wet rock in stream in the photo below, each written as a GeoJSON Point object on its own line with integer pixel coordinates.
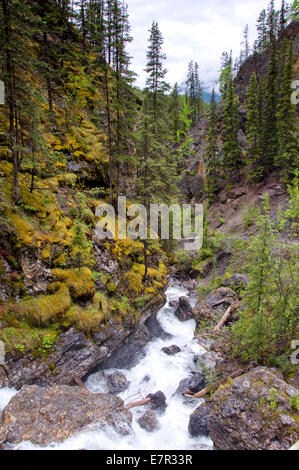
{"type": "Point", "coordinates": [148, 421]}
{"type": "Point", "coordinates": [171, 350]}
{"type": "Point", "coordinates": [116, 382]}
{"type": "Point", "coordinates": [44, 415]}
{"type": "Point", "coordinates": [184, 312]}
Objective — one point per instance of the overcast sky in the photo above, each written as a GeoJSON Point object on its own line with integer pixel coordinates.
{"type": "Point", "coordinates": [198, 30]}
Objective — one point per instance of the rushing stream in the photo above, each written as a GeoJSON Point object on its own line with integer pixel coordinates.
{"type": "Point", "coordinates": [162, 372]}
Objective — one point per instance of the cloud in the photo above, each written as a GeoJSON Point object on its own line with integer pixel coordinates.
{"type": "Point", "coordinates": [197, 30]}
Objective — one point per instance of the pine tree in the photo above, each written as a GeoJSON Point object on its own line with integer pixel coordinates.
{"type": "Point", "coordinates": [254, 127]}
{"type": "Point", "coordinates": [232, 154]}
{"type": "Point", "coordinates": [225, 73]}
{"type": "Point", "coordinates": [246, 43]}
{"type": "Point", "coordinates": [198, 92]}
{"type": "Point", "coordinates": [272, 22]}
{"type": "Point", "coordinates": [270, 137]}
{"type": "Point", "coordinates": [212, 152]}
{"type": "Point", "coordinates": [18, 60]}
{"type": "Point", "coordinates": [156, 85]}
{"type": "Point", "coordinates": [262, 40]}
{"type": "Point", "coordinates": [156, 168]}
{"type": "Point", "coordinates": [287, 155]}
{"type": "Point", "coordinates": [282, 17]}
{"type": "Point", "coordinates": [175, 112]}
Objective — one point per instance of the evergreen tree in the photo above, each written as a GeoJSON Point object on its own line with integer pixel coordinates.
{"type": "Point", "coordinates": [212, 152]}
{"type": "Point", "coordinates": [175, 112]}
{"type": "Point", "coordinates": [282, 17]}
{"type": "Point", "coordinates": [272, 22]}
{"type": "Point", "coordinates": [17, 56]}
{"type": "Point", "coordinates": [156, 85]}
{"type": "Point", "coordinates": [254, 127]}
{"type": "Point", "coordinates": [262, 40]}
{"type": "Point", "coordinates": [232, 155]}
{"type": "Point", "coordinates": [156, 168]}
{"type": "Point", "coordinates": [225, 73]}
{"type": "Point", "coordinates": [287, 155]}
{"type": "Point", "coordinates": [246, 43]}
{"type": "Point", "coordinates": [270, 137]}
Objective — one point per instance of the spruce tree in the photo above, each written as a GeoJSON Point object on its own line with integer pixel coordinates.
{"type": "Point", "coordinates": [212, 153]}
{"type": "Point", "coordinates": [254, 127]}
{"type": "Point", "coordinates": [156, 85]}
{"type": "Point", "coordinates": [175, 112]}
{"type": "Point", "coordinates": [262, 40]}
{"type": "Point", "coordinates": [287, 155]}
{"type": "Point", "coordinates": [270, 136]}
{"type": "Point", "coordinates": [232, 154]}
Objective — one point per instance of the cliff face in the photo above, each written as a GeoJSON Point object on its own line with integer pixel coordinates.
{"type": "Point", "coordinates": [258, 63]}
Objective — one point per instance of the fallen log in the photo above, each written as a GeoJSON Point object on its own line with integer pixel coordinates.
{"type": "Point", "coordinates": [80, 383]}
{"type": "Point", "coordinates": [225, 300]}
{"type": "Point", "coordinates": [231, 309]}
{"type": "Point", "coordinates": [215, 385]}
{"type": "Point", "coordinates": [143, 402]}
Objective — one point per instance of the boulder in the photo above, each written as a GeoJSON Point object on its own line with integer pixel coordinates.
{"type": "Point", "coordinates": [45, 415]}
{"type": "Point", "coordinates": [254, 412]}
{"type": "Point", "coordinates": [198, 422]}
{"type": "Point", "coordinates": [236, 280]}
{"type": "Point", "coordinates": [184, 311]}
{"type": "Point", "coordinates": [195, 382]}
{"type": "Point", "coordinates": [171, 350]}
{"type": "Point", "coordinates": [36, 274]}
{"type": "Point", "coordinates": [148, 421]}
{"type": "Point", "coordinates": [158, 400]}
{"type": "Point", "coordinates": [174, 303]}
{"type": "Point", "coordinates": [213, 299]}
{"type": "Point", "coordinates": [116, 382]}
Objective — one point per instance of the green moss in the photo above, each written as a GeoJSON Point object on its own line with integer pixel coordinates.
{"type": "Point", "coordinates": [79, 281]}
{"type": "Point", "coordinates": [42, 310]}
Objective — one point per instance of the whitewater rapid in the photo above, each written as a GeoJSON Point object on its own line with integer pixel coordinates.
{"type": "Point", "coordinates": [155, 371]}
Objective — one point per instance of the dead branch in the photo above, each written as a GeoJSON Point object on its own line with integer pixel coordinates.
{"type": "Point", "coordinates": [145, 401]}
{"type": "Point", "coordinates": [217, 384]}
{"type": "Point", "coordinates": [80, 383]}
{"type": "Point", "coordinates": [223, 301]}
{"type": "Point", "coordinates": [226, 316]}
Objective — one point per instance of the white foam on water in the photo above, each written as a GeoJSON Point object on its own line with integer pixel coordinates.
{"type": "Point", "coordinates": [155, 371]}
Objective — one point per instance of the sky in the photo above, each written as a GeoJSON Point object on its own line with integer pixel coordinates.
{"type": "Point", "coordinates": [198, 30]}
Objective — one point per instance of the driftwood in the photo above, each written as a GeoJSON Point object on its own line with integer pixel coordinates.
{"type": "Point", "coordinates": [80, 383]}
{"type": "Point", "coordinates": [225, 300]}
{"type": "Point", "coordinates": [217, 384]}
{"type": "Point", "coordinates": [145, 401]}
{"type": "Point", "coordinates": [226, 316]}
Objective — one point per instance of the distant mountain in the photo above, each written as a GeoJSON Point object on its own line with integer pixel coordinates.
{"type": "Point", "coordinates": [206, 96]}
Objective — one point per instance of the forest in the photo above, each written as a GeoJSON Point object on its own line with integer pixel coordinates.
{"type": "Point", "coordinates": [77, 132]}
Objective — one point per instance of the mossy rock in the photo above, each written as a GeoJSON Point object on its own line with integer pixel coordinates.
{"type": "Point", "coordinates": [79, 281]}
{"type": "Point", "coordinates": [42, 310]}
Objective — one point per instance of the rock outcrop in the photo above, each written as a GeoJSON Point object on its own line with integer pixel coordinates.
{"type": "Point", "coordinates": [198, 422]}
{"type": "Point", "coordinates": [184, 312]}
{"type": "Point", "coordinates": [45, 415]}
{"type": "Point", "coordinates": [254, 412]}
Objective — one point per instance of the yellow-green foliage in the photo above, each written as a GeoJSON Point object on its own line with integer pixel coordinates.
{"type": "Point", "coordinates": [42, 310]}
{"type": "Point", "coordinates": [121, 309]}
{"type": "Point", "coordinates": [24, 338]}
{"type": "Point", "coordinates": [79, 281]}
{"type": "Point", "coordinates": [127, 248]}
{"type": "Point", "coordinates": [157, 277]}
{"type": "Point", "coordinates": [91, 319]}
